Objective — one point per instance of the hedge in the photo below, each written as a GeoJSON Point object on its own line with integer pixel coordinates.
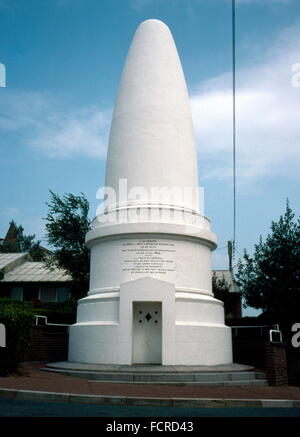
{"type": "Point", "coordinates": [57, 312]}
{"type": "Point", "coordinates": [18, 319]}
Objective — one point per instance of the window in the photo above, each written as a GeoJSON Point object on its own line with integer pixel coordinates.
{"type": "Point", "coordinates": [30, 292]}
{"type": "Point", "coordinates": [16, 293]}
{"type": "Point", "coordinates": [48, 294]}
{"type": "Point", "coordinates": [62, 294]}
{"type": "Point", "coordinates": [54, 294]}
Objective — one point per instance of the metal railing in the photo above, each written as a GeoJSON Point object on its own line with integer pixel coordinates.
{"type": "Point", "coordinates": [37, 317]}
{"type": "Point", "coordinates": [274, 330]}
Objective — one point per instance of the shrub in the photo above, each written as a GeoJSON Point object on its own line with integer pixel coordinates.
{"type": "Point", "coordinates": [58, 312]}
{"type": "Point", "coordinates": [18, 319]}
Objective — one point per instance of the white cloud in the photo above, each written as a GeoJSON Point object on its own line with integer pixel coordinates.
{"type": "Point", "coordinates": [81, 133]}
{"type": "Point", "coordinates": [51, 130]}
{"type": "Point", "coordinates": [267, 117]}
{"type": "Point", "coordinates": [267, 109]}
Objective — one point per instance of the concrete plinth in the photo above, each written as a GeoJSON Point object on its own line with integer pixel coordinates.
{"type": "Point", "coordinates": [226, 375]}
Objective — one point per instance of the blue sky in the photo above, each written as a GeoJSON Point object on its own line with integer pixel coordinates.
{"type": "Point", "coordinates": [63, 62]}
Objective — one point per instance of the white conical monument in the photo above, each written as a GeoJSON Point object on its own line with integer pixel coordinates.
{"type": "Point", "coordinates": [150, 298]}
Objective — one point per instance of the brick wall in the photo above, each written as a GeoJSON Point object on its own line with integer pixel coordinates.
{"type": "Point", "coordinates": [293, 364]}
{"type": "Point", "coordinates": [276, 363]}
{"type": "Point", "coordinates": [48, 343]}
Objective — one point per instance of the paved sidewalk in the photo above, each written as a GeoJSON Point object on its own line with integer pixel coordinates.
{"type": "Point", "coordinates": [47, 383]}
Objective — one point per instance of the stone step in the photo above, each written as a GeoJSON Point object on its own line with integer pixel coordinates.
{"type": "Point", "coordinates": [173, 378]}
{"type": "Point", "coordinates": [260, 382]}
{"type": "Point", "coordinates": [179, 377]}
{"type": "Point", "coordinates": [149, 368]}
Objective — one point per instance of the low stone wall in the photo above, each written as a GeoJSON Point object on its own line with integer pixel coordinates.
{"type": "Point", "coordinates": [48, 343]}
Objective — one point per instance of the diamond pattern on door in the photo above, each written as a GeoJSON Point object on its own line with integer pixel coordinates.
{"type": "Point", "coordinates": [147, 333]}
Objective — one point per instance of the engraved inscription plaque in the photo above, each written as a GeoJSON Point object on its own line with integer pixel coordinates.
{"type": "Point", "coordinates": [148, 256]}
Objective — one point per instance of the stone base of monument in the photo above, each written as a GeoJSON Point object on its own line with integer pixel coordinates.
{"type": "Point", "coordinates": [150, 321]}
{"type": "Point", "coordinates": [225, 375]}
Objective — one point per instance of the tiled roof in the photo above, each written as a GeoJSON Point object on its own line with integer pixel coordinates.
{"type": "Point", "coordinates": [229, 278]}
{"type": "Point", "coordinates": [29, 271]}
{"type": "Point", "coordinates": [8, 260]}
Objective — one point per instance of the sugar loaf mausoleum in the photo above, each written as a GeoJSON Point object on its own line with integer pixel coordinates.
{"type": "Point", "coordinates": [150, 299]}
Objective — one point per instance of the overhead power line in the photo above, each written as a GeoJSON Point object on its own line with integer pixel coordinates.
{"type": "Point", "coordinates": [233, 124]}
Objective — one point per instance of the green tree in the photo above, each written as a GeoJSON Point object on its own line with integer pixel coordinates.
{"type": "Point", "coordinates": [16, 241]}
{"type": "Point", "coordinates": [66, 227]}
{"type": "Point", "coordinates": [270, 279]}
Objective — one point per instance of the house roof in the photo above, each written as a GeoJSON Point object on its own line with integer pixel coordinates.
{"type": "Point", "coordinates": [18, 268]}
{"type": "Point", "coordinates": [8, 261]}
{"type": "Point", "coordinates": [229, 278]}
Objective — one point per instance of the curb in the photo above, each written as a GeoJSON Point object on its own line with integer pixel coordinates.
{"type": "Point", "coordinates": [147, 401]}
